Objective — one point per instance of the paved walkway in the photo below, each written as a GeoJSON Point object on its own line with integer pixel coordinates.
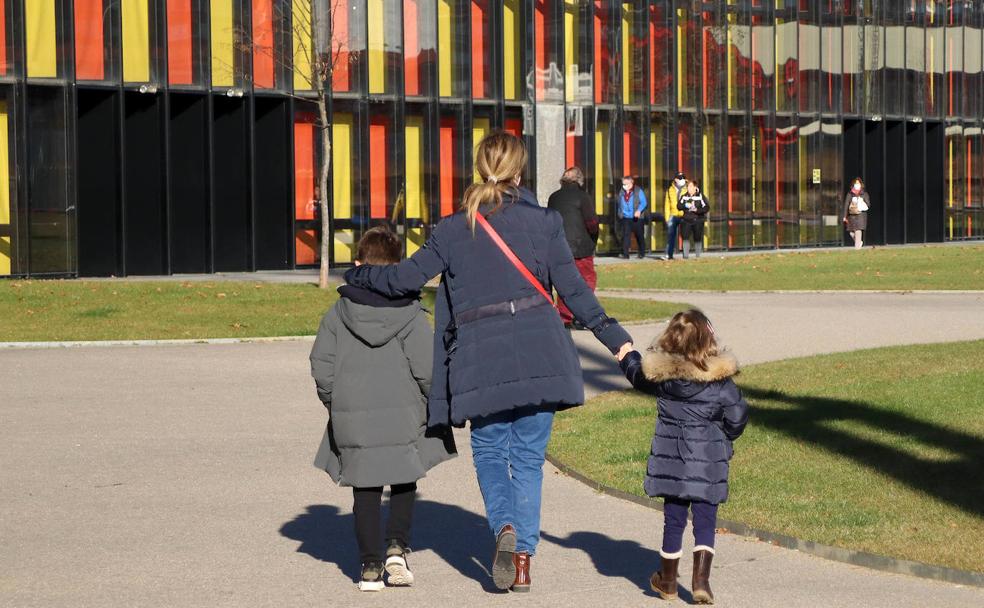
{"type": "Point", "coordinates": [180, 476]}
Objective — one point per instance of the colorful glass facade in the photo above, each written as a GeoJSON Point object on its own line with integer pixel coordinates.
{"type": "Point", "coordinates": [172, 136]}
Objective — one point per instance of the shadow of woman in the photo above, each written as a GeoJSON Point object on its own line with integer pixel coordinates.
{"type": "Point", "coordinates": [617, 558]}
{"type": "Point", "coordinates": [460, 538]}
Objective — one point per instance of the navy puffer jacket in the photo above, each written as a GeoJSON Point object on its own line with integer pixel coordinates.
{"type": "Point", "coordinates": [504, 361]}
{"type": "Point", "coordinates": [700, 414]}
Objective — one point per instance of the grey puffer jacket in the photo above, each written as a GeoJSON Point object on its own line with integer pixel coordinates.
{"type": "Point", "coordinates": [371, 362]}
{"type": "Point", "coordinates": [700, 414]}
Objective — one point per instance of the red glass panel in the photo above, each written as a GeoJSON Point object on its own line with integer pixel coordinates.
{"type": "Point", "coordinates": [447, 162]}
{"type": "Point", "coordinates": [478, 17]}
{"type": "Point", "coordinates": [341, 77]}
{"type": "Point", "coordinates": [411, 47]}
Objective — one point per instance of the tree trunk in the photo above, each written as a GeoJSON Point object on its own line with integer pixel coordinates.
{"type": "Point", "coordinates": [323, 187]}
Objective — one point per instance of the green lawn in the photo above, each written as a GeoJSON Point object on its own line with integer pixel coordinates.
{"type": "Point", "coordinates": [927, 267]}
{"type": "Point", "coordinates": [877, 450]}
{"type": "Point", "coordinates": [124, 310]}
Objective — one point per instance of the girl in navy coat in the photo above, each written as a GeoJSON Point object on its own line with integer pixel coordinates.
{"type": "Point", "coordinates": [701, 412]}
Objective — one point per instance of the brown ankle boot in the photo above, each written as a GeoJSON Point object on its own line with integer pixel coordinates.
{"type": "Point", "coordinates": [523, 580]}
{"type": "Point", "coordinates": [504, 563]}
{"type": "Point", "coordinates": [664, 580]}
{"type": "Point", "coordinates": [701, 586]}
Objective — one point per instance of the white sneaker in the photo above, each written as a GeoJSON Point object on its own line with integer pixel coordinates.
{"type": "Point", "coordinates": [397, 569]}
{"type": "Point", "coordinates": [372, 577]}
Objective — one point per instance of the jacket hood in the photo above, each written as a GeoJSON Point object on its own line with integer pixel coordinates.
{"type": "Point", "coordinates": [373, 318]}
{"type": "Point", "coordinates": [660, 366]}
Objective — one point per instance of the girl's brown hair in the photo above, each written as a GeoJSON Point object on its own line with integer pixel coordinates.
{"type": "Point", "coordinates": [691, 336]}
{"type": "Point", "coordinates": [499, 159]}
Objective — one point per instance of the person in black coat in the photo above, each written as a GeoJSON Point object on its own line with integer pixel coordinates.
{"type": "Point", "coordinates": [694, 205]}
{"type": "Point", "coordinates": [701, 412]}
{"type": "Point", "coordinates": [502, 358]}
{"type": "Point", "coordinates": [580, 227]}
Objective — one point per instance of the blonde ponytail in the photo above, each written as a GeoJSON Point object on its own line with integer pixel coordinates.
{"type": "Point", "coordinates": [499, 159]}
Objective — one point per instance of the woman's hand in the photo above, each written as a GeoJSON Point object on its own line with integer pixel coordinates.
{"type": "Point", "coordinates": [626, 349]}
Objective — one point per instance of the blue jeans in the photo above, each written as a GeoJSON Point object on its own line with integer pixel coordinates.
{"type": "Point", "coordinates": [675, 521]}
{"type": "Point", "coordinates": [508, 449]}
{"type": "Point", "coordinates": [671, 234]}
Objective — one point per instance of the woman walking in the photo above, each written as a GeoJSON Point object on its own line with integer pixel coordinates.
{"type": "Point", "coordinates": [502, 358]}
{"type": "Point", "coordinates": [856, 205]}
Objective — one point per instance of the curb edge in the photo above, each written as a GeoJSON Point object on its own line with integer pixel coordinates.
{"type": "Point", "coordinates": [837, 554]}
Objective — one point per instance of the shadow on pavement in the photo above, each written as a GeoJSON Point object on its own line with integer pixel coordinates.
{"type": "Point", "coordinates": [956, 481]}
{"type": "Point", "coordinates": [459, 537]}
{"type": "Point", "coordinates": [617, 558]}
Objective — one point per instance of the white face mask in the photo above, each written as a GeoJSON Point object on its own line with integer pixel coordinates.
{"type": "Point", "coordinates": [626, 187]}
{"type": "Point", "coordinates": [680, 183]}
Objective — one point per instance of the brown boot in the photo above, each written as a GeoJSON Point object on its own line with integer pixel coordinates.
{"type": "Point", "coordinates": [503, 564]}
{"type": "Point", "coordinates": [664, 580]}
{"type": "Point", "coordinates": [523, 580]}
{"type": "Point", "coordinates": [701, 586]}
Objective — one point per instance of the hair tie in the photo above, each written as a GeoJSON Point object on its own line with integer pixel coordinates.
{"type": "Point", "coordinates": [493, 179]}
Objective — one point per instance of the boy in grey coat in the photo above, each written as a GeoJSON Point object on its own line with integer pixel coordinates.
{"type": "Point", "coordinates": [372, 362]}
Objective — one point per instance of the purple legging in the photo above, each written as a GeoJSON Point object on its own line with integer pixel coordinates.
{"type": "Point", "coordinates": [675, 521]}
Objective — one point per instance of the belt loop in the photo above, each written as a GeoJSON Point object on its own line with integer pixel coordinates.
{"type": "Point", "coordinates": [512, 307]}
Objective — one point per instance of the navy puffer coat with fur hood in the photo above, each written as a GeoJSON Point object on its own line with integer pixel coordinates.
{"type": "Point", "coordinates": [505, 361]}
{"type": "Point", "coordinates": [701, 412]}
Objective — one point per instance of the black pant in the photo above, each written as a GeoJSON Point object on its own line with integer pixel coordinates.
{"type": "Point", "coordinates": [367, 518]}
{"type": "Point", "coordinates": [637, 227]}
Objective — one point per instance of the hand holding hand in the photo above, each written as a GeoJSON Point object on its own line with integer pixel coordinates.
{"type": "Point", "coordinates": [637, 214]}
{"type": "Point", "coordinates": [626, 349]}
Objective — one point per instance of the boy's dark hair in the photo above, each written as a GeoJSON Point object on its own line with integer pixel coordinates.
{"type": "Point", "coordinates": [379, 246]}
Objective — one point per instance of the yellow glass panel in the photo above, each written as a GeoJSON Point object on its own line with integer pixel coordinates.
{"type": "Point", "coordinates": [223, 58]}
{"type": "Point", "coordinates": [344, 245]}
{"type": "Point", "coordinates": [445, 48]}
{"type": "Point", "coordinates": [654, 186]}
{"type": "Point", "coordinates": [480, 128]}
{"type": "Point", "coordinates": [39, 24]}
{"type": "Point", "coordinates": [415, 240]}
{"type": "Point", "coordinates": [570, 47]}
{"type": "Point", "coordinates": [681, 37]}
{"type": "Point", "coordinates": [136, 41]}
{"type": "Point", "coordinates": [732, 65]}
{"type": "Point", "coordinates": [302, 41]}
{"type": "Point", "coordinates": [415, 190]}
{"type": "Point", "coordinates": [377, 58]}
{"type": "Point", "coordinates": [4, 190]}
{"type": "Point", "coordinates": [601, 179]}
{"type": "Point", "coordinates": [343, 130]}
{"type": "Point", "coordinates": [511, 39]}
{"type": "Point", "coordinates": [626, 52]}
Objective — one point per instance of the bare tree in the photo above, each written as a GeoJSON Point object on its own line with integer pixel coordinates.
{"type": "Point", "coordinates": [316, 53]}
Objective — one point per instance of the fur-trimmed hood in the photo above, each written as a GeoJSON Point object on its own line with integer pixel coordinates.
{"type": "Point", "coordinates": [660, 366]}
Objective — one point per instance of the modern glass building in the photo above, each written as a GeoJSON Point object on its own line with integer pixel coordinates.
{"type": "Point", "coordinates": [172, 136]}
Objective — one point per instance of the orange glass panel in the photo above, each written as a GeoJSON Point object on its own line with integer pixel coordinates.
{"type": "Point", "coordinates": [478, 49]}
{"type": "Point", "coordinates": [341, 77]}
{"type": "Point", "coordinates": [180, 40]}
{"type": "Point", "coordinates": [377, 167]}
{"type": "Point", "coordinates": [411, 48]}
{"type": "Point", "coordinates": [263, 47]}
{"type": "Point", "coordinates": [306, 245]}
{"type": "Point", "coordinates": [3, 37]}
{"type": "Point", "coordinates": [89, 61]}
{"type": "Point", "coordinates": [447, 162]}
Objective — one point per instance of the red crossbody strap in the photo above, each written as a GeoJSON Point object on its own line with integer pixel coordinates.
{"type": "Point", "coordinates": [520, 266]}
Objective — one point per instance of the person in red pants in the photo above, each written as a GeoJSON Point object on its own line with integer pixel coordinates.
{"type": "Point", "coordinates": [580, 227]}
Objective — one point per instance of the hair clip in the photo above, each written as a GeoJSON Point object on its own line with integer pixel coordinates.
{"type": "Point", "coordinates": [493, 179]}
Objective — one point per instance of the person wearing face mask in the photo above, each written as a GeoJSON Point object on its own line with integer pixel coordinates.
{"type": "Point", "coordinates": [674, 215]}
{"type": "Point", "coordinates": [631, 205]}
{"type": "Point", "coordinates": [856, 205]}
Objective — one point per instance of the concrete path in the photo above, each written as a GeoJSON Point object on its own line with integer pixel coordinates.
{"type": "Point", "coordinates": [180, 476]}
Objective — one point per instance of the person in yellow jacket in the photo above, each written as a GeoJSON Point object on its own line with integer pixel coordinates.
{"type": "Point", "coordinates": [673, 215]}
